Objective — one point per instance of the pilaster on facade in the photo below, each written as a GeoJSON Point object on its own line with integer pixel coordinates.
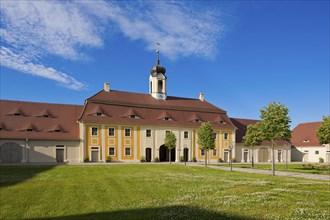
{"type": "Point", "coordinates": [119, 147]}
{"type": "Point", "coordinates": [103, 138]}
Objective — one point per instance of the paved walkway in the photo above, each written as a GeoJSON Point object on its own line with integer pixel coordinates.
{"type": "Point", "coordinates": [267, 172]}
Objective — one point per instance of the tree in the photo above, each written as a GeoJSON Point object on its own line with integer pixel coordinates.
{"type": "Point", "coordinates": [170, 142]}
{"type": "Point", "coordinates": [253, 137]}
{"type": "Point", "coordinates": [275, 126]}
{"type": "Point", "coordinates": [323, 133]}
{"type": "Point", "coordinates": [206, 138]}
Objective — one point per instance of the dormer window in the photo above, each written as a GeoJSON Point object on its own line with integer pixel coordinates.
{"type": "Point", "coordinates": [305, 141]}
{"type": "Point", "coordinates": [168, 119]}
{"type": "Point", "coordinates": [57, 130]}
{"type": "Point", "coordinates": [45, 116]}
{"type": "Point", "coordinates": [222, 122]}
{"type": "Point", "coordinates": [197, 120]}
{"type": "Point", "coordinates": [17, 114]}
{"type": "Point", "coordinates": [133, 116]}
{"type": "Point", "coordinates": [98, 114]}
{"type": "Point", "coordinates": [29, 129]}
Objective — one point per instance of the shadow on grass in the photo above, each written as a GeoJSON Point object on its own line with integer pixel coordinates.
{"type": "Point", "coordinates": [13, 174]}
{"type": "Point", "coordinates": [167, 212]}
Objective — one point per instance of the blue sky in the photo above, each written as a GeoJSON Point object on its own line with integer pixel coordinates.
{"type": "Point", "coordinates": [241, 54]}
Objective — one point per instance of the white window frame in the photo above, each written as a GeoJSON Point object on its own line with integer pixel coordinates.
{"type": "Point", "coordinates": [130, 132]}
{"type": "Point", "coordinates": [130, 151]}
{"type": "Point", "coordinates": [147, 133]}
{"type": "Point", "coordinates": [114, 151]}
{"type": "Point", "coordinates": [114, 132]}
{"type": "Point", "coordinates": [97, 131]}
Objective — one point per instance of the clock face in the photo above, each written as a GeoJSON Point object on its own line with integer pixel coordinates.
{"type": "Point", "coordinates": [160, 96]}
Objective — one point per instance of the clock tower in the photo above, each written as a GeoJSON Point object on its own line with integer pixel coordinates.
{"type": "Point", "coordinates": [157, 81]}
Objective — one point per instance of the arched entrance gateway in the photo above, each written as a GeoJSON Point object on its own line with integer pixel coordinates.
{"type": "Point", "coordinates": [164, 154]}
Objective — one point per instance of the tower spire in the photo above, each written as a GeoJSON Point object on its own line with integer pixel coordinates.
{"type": "Point", "coordinates": [158, 62]}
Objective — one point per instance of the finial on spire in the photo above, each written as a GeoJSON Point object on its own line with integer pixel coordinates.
{"type": "Point", "coordinates": [157, 51]}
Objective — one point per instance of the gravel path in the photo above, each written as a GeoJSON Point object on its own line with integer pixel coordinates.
{"type": "Point", "coordinates": [267, 172]}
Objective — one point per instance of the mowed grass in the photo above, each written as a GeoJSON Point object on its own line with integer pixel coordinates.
{"type": "Point", "coordinates": [323, 169]}
{"type": "Point", "coordinates": [156, 191]}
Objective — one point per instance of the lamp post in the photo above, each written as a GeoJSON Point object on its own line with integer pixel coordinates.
{"type": "Point", "coordinates": [230, 155]}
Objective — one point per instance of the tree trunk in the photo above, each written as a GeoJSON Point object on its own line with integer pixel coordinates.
{"type": "Point", "coordinates": [286, 158]}
{"type": "Point", "coordinates": [205, 156]}
{"type": "Point", "coordinates": [169, 155]}
{"type": "Point", "coordinates": [273, 160]}
{"type": "Point", "coordinates": [208, 155]}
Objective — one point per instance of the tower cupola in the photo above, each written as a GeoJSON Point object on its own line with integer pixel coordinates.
{"type": "Point", "coordinates": [157, 80]}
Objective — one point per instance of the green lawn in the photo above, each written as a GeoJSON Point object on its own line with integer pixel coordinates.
{"type": "Point", "coordinates": [323, 169]}
{"type": "Point", "coordinates": [156, 191]}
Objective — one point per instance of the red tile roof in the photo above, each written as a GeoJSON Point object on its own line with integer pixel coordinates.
{"type": "Point", "coordinates": [241, 125]}
{"type": "Point", "coordinates": [305, 134]}
{"type": "Point", "coordinates": [116, 105]}
{"type": "Point", "coordinates": [20, 120]}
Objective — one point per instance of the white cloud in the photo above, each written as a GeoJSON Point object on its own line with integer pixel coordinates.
{"type": "Point", "coordinates": [33, 30]}
{"type": "Point", "coordinates": [22, 64]}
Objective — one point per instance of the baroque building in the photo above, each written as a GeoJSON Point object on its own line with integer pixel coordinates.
{"type": "Point", "coordinates": [123, 125]}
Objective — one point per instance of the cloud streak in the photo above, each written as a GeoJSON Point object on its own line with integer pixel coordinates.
{"type": "Point", "coordinates": [31, 31]}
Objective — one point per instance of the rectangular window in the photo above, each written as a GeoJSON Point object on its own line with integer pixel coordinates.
{"type": "Point", "coordinates": [317, 152]}
{"type": "Point", "coordinates": [148, 133]}
{"type": "Point", "coordinates": [127, 132]}
{"type": "Point", "coordinates": [226, 136]}
{"type": "Point", "coordinates": [186, 134]}
{"type": "Point", "coordinates": [215, 152]}
{"type": "Point", "coordinates": [111, 132]}
{"type": "Point", "coordinates": [95, 131]}
{"type": "Point", "coordinates": [202, 152]}
{"type": "Point", "coordinates": [127, 151]}
{"type": "Point", "coordinates": [112, 151]}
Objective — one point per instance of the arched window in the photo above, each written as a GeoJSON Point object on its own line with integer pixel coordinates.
{"type": "Point", "coordinates": [150, 87]}
{"type": "Point", "coordinates": [160, 85]}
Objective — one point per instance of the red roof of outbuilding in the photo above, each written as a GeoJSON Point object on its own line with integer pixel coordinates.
{"type": "Point", "coordinates": [305, 134]}
{"type": "Point", "coordinates": [20, 120]}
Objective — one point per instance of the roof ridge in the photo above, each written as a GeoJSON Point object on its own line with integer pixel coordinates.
{"type": "Point", "coordinates": [46, 103]}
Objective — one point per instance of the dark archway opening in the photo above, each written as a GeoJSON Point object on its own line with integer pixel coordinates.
{"type": "Point", "coordinates": [185, 154]}
{"type": "Point", "coordinates": [164, 154]}
{"type": "Point", "coordinates": [148, 154]}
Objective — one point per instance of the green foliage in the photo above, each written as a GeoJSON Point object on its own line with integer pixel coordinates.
{"type": "Point", "coordinates": [206, 139]}
{"type": "Point", "coordinates": [194, 159]}
{"type": "Point", "coordinates": [108, 159]}
{"type": "Point", "coordinates": [86, 159]}
{"type": "Point", "coordinates": [253, 136]}
{"type": "Point", "coordinates": [170, 140]}
{"type": "Point", "coordinates": [323, 133]}
{"type": "Point", "coordinates": [142, 159]}
{"type": "Point", "coordinates": [321, 160]}
{"type": "Point", "coordinates": [275, 124]}
{"type": "Point", "coordinates": [219, 160]}
{"type": "Point", "coordinates": [156, 159]}
{"type": "Point", "coordinates": [181, 158]}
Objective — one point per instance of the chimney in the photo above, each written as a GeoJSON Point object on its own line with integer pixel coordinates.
{"type": "Point", "coordinates": [201, 97]}
{"type": "Point", "coordinates": [106, 87]}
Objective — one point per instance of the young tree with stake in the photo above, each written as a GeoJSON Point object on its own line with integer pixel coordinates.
{"type": "Point", "coordinates": [170, 142]}
{"type": "Point", "coordinates": [206, 138]}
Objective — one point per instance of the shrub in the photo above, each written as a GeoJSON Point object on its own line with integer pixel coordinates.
{"type": "Point", "coordinates": [86, 159]}
{"type": "Point", "coordinates": [233, 159]}
{"type": "Point", "coordinates": [220, 160]}
{"type": "Point", "coordinates": [321, 160]}
{"type": "Point", "coordinates": [108, 159]}
{"type": "Point", "coordinates": [181, 158]}
{"type": "Point", "coordinates": [156, 159]}
{"type": "Point", "coordinates": [194, 159]}
{"type": "Point", "coordinates": [142, 159]}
